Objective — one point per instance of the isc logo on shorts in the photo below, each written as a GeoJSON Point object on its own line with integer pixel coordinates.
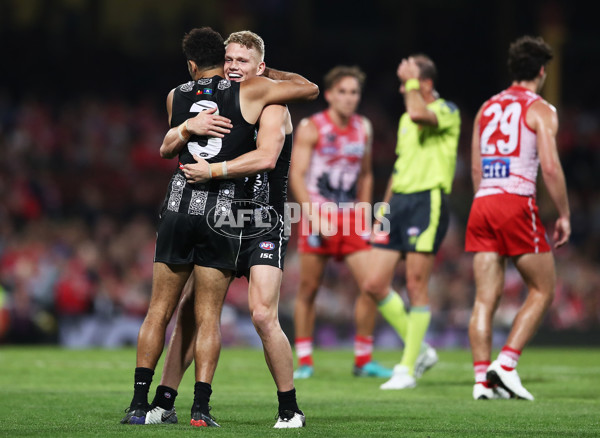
{"type": "Point", "coordinates": [496, 167]}
{"type": "Point", "coordinates": [269, 246]}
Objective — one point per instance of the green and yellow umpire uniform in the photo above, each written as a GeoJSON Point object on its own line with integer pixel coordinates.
{"type": "Point", "coordinates": [421, 181]}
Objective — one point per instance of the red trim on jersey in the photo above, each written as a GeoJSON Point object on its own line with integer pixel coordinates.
{"type": "Point", "coordinates": [522, 177]}
{"type": "Point", "coordinates": [339, 129]}
{"type": "Point", "coordinates": [526, 107]}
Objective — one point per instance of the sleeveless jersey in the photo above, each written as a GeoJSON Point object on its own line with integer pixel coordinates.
{"type": "Point", "coordinates": [509, 159]}
{"type": "Point", "coordinates": [336, 160]}
{"type": "Point", "coordinates": [188, 100]}
{"type": "Point", "coordinates": [271, 187]}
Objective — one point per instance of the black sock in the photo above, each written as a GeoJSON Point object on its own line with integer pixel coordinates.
{"type": "Point", "coordinates": [141, 386]}
{"type": "Point", "coordinates": [164, 397]}
{"type": "Point", "coordinates": [287, 401]}
{"type": "Point", "coordinates": [202, 392]}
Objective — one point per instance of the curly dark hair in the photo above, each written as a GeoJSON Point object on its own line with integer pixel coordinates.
{"type": "Point", "coordinates": [204, 46]}
{"type": "Point", "coordinates": [526, 56]}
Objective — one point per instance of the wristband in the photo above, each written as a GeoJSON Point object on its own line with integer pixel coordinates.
{"type": "Point", "coordinates": [224, 168]}
{"type": "Point", "coordinates": [183, 137]}
{"type": "Point", "coordinates": [218, 171]}
{"type": "Point", "coordinates": [412, 84]}
{"type": "Point", "coordinates": [209, 172]}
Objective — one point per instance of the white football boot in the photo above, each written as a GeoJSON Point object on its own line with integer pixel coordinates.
{"type": "Point", "coordinates": [509, 380]}
{"type": "Point", "coordinates": [427, 358]}
{"type": "Point", "coordinates": [481, 392]}
{"type": "Point", "coordinates": [290, 420]}
{"type": "Point", "coordinates": [158, 415]}
{"type": "Point", "coordinates": [401, 379]}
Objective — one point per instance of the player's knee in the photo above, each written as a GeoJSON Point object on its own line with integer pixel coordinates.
{"type": "Point", "coordinates": [157, 317]}
{"type": "Point", "coordinates": [263, 318]}
{"type": "Point", "coordinates": [308, 290]}
{"type": "Point", "coordinates": [374, 288]}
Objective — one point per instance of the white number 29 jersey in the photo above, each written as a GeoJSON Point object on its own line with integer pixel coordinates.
{"type": "Point", "coordinates": [509, 159]}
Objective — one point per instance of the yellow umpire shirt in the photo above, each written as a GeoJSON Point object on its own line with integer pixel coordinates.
{"type": "Point", "coordinates": [427, 154]}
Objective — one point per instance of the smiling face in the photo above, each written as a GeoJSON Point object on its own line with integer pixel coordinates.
{"type": "Point", "coordinates": [242, 63]}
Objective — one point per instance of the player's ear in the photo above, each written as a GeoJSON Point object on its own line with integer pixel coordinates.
{"type": "Point", "coordinates": [260, 69]}
{"type": "Point", "coordinates": [427, 84]}
{"type": "Point", "coordinates": [542, 71]}
{"type": "Point", "coordinates": [192, 68]}
{"type": "Point", "coordinates": [327, 96]}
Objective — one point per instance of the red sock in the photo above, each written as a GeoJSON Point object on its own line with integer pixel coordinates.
{"type": "Point", "coordinates": [363, 350]}
{"type": "Point", "coordinates": [480, 369]}
{"type": "Point", "coordinates": [304, 349]}
{"type": "Point", "coordinates": [508, 358]}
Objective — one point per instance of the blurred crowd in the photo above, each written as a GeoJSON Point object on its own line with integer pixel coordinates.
{"type": "Point", "coordinates": [81, 184]}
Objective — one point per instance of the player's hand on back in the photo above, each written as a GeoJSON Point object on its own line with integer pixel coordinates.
{"type": "Point", "coordinates": [196, 172]}
{"type": "Point", "coordinates": [209, 123]}
{"type": "Point", "coordinates": [562, 231]}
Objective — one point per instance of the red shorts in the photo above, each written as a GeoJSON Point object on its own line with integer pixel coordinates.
{"type": "Point", "coordinates": [506, 224]}
{"type": "Point", "coordinates": [347, 239]}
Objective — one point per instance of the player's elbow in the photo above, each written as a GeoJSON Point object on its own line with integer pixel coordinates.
{"type": "Point", "coordinates": [313, 91]}
{"type": "Point", "coordinates": [269, 163]}
{"type": "Point", "coordinates": [165, 152]}
{"type": "Point", "coordinates": [551, 170]}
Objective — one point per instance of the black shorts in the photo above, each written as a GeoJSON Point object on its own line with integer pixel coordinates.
{"type": "Point", "coordinates": [267, 249]}
{"type": "Point", "coordinates": [418, 222]}
{"type": "Point", "coordinates": [183, 239]}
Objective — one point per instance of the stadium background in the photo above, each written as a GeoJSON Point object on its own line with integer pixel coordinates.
{"type": "Point", "coordinates": [82, 92]}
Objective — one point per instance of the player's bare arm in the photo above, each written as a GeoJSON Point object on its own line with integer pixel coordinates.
{"type": "Point", "coordinates": [257, 92]}
{"type": "Point", "coordinates": [365, 176]}
{"type": "Point", "coordinates": [542, 117]}
{"type": "Point", "coordinates": [305, 140]}
{"type": "Point", "coordinates": [269, 142]}
{"type": "Point", "coordinates": [416, 106]}
{"type": "Point", "coordinates": [205, 123]}
{"type": "Point", "coordinates": [476, 174]}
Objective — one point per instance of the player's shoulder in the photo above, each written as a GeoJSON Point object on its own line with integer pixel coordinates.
{"type": "Point", "coordinates": [307, 130]}
{"type": "Point", "coordinates": [543, 111]}
{"type": "Point", "coordinates": [186, 87]}
{"type": "Point", "coordinates": [256, 82]}
{"type": "Point", "coordinates": [307, 123]}
{"type": "Point", "coordinates": [366, 123]}
{"type": "Point", "coordinates": [543, 106]}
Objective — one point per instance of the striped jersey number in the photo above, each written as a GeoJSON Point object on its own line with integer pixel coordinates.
{"type": "Point", "coordinates": [507, 121]}
{"type": "Point", "coordinates": [207, 147]}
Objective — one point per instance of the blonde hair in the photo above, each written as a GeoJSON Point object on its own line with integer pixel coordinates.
{"type": "Point", "coordinates": [248, 39]}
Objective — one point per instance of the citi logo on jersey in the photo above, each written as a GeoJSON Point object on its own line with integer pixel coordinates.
{"type": "Point", "coordinates": [496, 167]}
{"type": "Point", "coordinates": [268, 246]}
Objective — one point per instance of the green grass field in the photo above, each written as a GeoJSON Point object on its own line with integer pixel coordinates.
{"type": "Point", "coordinates": [50, 392]}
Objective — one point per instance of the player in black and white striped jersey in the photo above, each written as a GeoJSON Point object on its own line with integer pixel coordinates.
{"type": "Point", "coordinates": [186, 242]}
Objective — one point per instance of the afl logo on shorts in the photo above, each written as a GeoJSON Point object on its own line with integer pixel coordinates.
{"type": "Point", "coordinates": [268, 246]}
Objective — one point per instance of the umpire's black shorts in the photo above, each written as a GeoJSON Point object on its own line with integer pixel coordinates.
{"type": "Point", "coordinates": [418, 222]}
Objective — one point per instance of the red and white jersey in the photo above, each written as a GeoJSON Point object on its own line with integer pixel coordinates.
{"type": "Point", "coordinates": [336, 159]}
{"type": "Point", "coordinates": [509, 158]}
